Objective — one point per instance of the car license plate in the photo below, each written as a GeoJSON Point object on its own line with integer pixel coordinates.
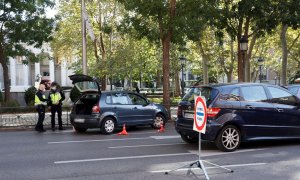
{"type": "Point", "coordinates": [189, 115]}
{"type": "Point", "coordinates": [79, 120]}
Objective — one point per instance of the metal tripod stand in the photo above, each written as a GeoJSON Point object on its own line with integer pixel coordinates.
{"type": "Point", "coordinates": [199, 164]}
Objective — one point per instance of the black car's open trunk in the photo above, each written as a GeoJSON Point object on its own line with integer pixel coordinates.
{"type": "Point", "coordinates": [85, 103]}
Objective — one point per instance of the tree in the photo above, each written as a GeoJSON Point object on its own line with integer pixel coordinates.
{"type": "Point", "coordinates": [288, 16]}
{"type": "Point", "coordinates": [22, 24]}
{"type": "Point", "coordinates": [154, 20]}
{"type": "Point", "coordinates": [249, 18]}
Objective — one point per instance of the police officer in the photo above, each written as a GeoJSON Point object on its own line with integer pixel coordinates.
{"type": "Point", "coordinates": [40, 103]}
{"type": "Point", "coordinates": [56, 96]}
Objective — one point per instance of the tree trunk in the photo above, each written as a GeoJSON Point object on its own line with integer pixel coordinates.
{"type": "Point", "coordinates": [240, 57]}
{"type": "Point", "coordinates": [204, 64]}
{"type": "Point", "coordinates": [177, 84]}
{"type": "Point", "coordinates": [166, 71]}
{"type": "Point", "coordinates": [166, 36]}
{"type": "Point", "coordinates": [246, 58]}
{"type": "Point", "coordinates": [284, 54]}
{"type": "Point", "coordinates": [249, 56]}
{"type": "Point", "coordinates": [5, 75]}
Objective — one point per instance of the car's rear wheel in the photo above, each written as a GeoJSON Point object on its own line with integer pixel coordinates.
{"type": "Point", "coordinates": [80, 130]}
{"type": "Point", "coordinates": [228, 139]}
{"type": "Point", "coordinates": [108, 126]}
{"type": "Point", "coordinates": [158, 121]}
{"type": "Point", "coordinates": [189, 139]}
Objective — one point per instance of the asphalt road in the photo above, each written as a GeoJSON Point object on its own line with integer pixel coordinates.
{"type": "Point", "coordinates": [143, 154]}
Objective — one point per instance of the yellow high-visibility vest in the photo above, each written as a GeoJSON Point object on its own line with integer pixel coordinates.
{"type": "Point", "coordinates": [37, 100]}
{"type": "Point", "coordinates": [55, 98]}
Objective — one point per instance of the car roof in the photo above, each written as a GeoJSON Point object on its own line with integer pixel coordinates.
{"type": "Point", "coordinates": [220, 85]}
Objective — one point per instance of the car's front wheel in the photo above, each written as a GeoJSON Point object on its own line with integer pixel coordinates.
{"type": "Point", "coordinates": [158, 121]}
{"type": "Point", "coordinates": [80, 130]}
{"type": "Point", "coordinates": [108, 126]}
{"type": "Point", "coordinates": [189, 139]}
{"type": "Point", "coordinates": [228, 139]}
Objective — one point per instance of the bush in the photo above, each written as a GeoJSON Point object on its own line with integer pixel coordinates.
{"type": "Point", "coordinates": [11, 103]}
{"type": "Point", "coordinates": [29, 96]}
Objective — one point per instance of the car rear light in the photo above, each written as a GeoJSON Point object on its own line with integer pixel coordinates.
{"type": "Point", "coordinates": [96, 109]}
{"type": "Point", "coordinates": [212, 112]}
{"type": "Point", "coordinates": [179, 111]}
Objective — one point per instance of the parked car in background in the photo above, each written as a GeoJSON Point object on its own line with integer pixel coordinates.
{"type": "Point", "coordinates": [109, 110]}
{"type": "Point", "coordinates": [241, 112]}
{"type": "Point", "coordinates": [294, 89]}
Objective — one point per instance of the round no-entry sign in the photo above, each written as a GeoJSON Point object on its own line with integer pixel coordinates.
{"type": "Point", "coordinates": [200, 115]}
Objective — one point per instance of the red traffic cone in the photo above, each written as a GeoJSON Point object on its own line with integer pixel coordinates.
{"type": "Point", "coordinates": [161, 129]}
{"type": "Point", "coordinates": [123, 132]}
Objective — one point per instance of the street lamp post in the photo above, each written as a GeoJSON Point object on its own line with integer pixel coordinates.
{"type": "Point", "coordinates": [244, 48]}
{"type": "Point", "coordinates": [182, 62]}
{"type": "Point", "coordinates": [260, 61]}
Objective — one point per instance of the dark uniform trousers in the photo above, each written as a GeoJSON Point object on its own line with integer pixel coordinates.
{"type": "Point", "coordinates": [54, 109]}
{"type": "Point", "coordinates": [41, 113]}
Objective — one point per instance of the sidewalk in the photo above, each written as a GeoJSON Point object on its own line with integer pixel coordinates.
{"type": "Point", "coordinates": [25, 120]}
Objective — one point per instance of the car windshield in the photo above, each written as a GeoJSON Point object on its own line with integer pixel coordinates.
{"type": "Point", "coordinates": [206, 92]}
{"type": "Point", "coordinates": [86, 86]}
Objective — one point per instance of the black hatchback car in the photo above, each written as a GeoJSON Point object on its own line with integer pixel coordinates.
{"type": "Point", "coordinates": [241, 112]}
{"type": "Point", "coordinates": [109, 110]}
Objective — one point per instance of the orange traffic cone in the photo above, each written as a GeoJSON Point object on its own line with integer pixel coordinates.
{"type": "Point", "coordinates": [123, 132]}
{"type": "Point", "coordinates": [161, 129]}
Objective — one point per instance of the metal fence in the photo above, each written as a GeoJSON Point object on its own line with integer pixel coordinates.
{"type": "Point", "coordinates": [27, 117]}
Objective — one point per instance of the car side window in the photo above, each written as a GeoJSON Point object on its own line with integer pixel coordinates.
{"type": "Point", "coordinates": [108, 99]}
{"type": "Point", "coordinates": [280, 96]}
{"type": "Point", "coordinates": [119, 98]}
{"type": "Point", "coordinates": [234, 95]}
{"type": "Point", "coordinates": [137, 100]}
{"type": "Point", "coordinates": [254, 93]}
{"type": "Point", "coordinates": [293, 90]}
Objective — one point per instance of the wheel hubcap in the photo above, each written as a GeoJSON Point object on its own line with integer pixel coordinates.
{"type": "Point", "coordinates": [230, 138]}
{"type": "Point", "coordinates": [158, 121]}
{"type": "Point", "coordinates": [109, 126]}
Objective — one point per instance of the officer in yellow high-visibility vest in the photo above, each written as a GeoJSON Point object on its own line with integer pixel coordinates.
{"type": "Point", "coordinates": [56, 97]}
{"type": "Point", "coordinates": [40, 103]}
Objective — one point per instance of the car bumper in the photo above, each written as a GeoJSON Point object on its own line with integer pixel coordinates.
{"type": "Point", "coordinates": [90, 121]}
{"type": "Point", "coordinates": [185, 127]}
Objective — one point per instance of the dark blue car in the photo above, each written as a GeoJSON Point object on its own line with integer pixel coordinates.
{"type": "Point", "coordinates": [241, 112]}
{"type": "Point", "coordinates": [109, 110]}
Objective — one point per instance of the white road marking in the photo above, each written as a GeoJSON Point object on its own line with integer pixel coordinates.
{"type": "Point", "coordinates": [164, 137]}
{"type": "Point", "coordinates": [148, 145]}
{"type": "Point", "coordinates": [121, 158]}
{"type": "Point", "coordinates": [97, 140]}
{"type": "Point", "coordinates": [143, 133]}
{"type": "Point", "coordinates": [215, 153]}
{"type": "Point", "coordinates": [211, 167]}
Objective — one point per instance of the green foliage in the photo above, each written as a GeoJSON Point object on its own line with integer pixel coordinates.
{"type": "Point", "coordinates": [74, 94]}
{"type": "Point", "coordinates": [23, 25]}
{"type": "Point", "coordinates": [29, 95]}
{"type": "Point", "coordinates": [11, 103]}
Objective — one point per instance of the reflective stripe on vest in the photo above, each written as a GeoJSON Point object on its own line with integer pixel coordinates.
{"type": "Point", "coordinates": [55, 98]}
{"type": "Point", "coordinates": [37, 100]}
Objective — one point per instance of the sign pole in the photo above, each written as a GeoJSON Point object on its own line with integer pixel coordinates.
{"type": "Point", "coordinates": [200, 161]}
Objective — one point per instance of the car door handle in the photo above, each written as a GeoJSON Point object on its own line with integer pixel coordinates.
{"type": "Point", "coordinates": [134, 108]}
{"type": "Point", "coordinates": [249, 107]}
{"type": "Point", "coordinates": [115, 107]}
{"type": "Point", "coordinates": [279, 110]}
